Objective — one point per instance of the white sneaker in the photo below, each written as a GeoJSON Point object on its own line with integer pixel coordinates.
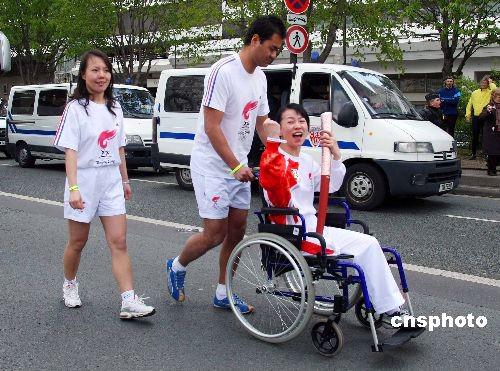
{"type": "Point", "coordinates": [70, 295]}
{"type": "Point", "coordinates": [135, 308]}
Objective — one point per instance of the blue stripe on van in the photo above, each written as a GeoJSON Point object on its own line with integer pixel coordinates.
{"type": "Point", "coordinates": [167, 134]}
{"type": "Point", "coordinates": [342, 145]}
{"type": "Point", "coordinates": [16, 130]}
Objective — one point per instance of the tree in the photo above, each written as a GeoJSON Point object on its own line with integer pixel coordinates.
{"type": "Point", "coordinates": [42, 31]}
{"type": "Point", "coordinates": [460, 26]}
{"type": "Point", "coordinates": [368, 27]}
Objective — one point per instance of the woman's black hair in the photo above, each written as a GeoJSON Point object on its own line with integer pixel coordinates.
{"type": "Point", "coordinates": [297, 108]}
{"type": "Point", "coordinates": [81, 93]}
{"type": "Point", "coordinates": [265, 27]}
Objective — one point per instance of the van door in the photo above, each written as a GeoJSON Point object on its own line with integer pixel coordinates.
{"type": "Point", "coordinates": [322, 92]}
{"type": "Point", "coordinates": [51, 103]}
{"type": "Point", "coordinates": [178, 118]}
{"type": "Point", "coordinates": [21, 124]}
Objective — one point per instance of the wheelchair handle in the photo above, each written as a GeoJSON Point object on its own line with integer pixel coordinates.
{"type": "Point", "coordinates": [279, 211]}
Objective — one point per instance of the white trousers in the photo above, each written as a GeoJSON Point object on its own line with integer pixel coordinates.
{"type": "Point", "coordinates": [382, 288]}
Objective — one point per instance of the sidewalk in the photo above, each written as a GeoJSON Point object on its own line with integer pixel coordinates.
{"type": "Point", "coordinates": [475, 181]}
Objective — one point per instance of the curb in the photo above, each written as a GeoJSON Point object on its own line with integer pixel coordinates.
{"type": "Point", "coordinates": [470, 190]}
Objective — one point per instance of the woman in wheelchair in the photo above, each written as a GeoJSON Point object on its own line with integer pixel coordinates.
{"type": "Point", "coordinates": [289, 178]}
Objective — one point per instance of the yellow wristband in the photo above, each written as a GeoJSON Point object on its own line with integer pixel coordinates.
{"type": "Point", "coordinates": [74, 188]}
{"type": "Point", "coordinates": [232, 172]}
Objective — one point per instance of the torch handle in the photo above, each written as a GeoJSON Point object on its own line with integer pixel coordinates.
{"type": "Point", "coordinates": [326, 158]}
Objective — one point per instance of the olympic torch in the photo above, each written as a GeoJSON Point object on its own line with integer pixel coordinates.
{"type": "Point", "coordinates": [326, 158]}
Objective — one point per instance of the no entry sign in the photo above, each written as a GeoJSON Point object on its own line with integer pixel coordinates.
{"type": "Point", "coordinates": [297, 6]}
{"type": "Point", "coordinates": [296, 39]}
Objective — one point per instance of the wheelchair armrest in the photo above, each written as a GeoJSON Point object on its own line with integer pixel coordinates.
{"type": "Point", "coordinates": [279, 211]}
{"type": "Point", "coordinates": [366, 230]}
{"type": "Point", "coordinates": [321, 240]}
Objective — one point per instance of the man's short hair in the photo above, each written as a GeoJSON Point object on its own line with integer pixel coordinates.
{"type": "Point", "coordinates": [265, 27]}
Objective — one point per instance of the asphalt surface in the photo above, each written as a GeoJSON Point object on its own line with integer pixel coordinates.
{"type": "Point", "coordinates": [38, 332]}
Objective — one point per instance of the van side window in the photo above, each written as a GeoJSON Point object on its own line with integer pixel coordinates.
{"type": "Point", "coordinates": [52, 102]}
{"type": "Point", "coordinates": [23, 102]}
{"type": "Point", "coordinates": [184, 93]}
{"type": "Point", "coordinates": [315, 93]}
{"type": "Point", "coordinates": [339, 98]}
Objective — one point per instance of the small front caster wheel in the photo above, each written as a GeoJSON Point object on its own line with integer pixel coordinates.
{"type": "Point", "coordinates": [327, 338]}
{"type": "Point", "coordinates": [362, 315]}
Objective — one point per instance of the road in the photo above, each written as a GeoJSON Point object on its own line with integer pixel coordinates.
{"type": "Point", "coordinates": [450, 233]}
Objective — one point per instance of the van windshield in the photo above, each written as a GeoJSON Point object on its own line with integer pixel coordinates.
{"type": "Point", "coordinates": [135, 103]}
{"type": "Point", "coordinates": [380, 96]}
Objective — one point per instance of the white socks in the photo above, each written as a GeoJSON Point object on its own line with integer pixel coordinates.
{"type": "Point", "coordinates": [128, 295]}
{"type": "Point", "coordinates": [220, 293]}
{"type": "Point", "coordinates": [176, 266]}
{"type": "Point", "coordinates": [69, 282]}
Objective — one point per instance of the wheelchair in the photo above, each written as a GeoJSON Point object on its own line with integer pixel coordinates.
{"type": "Point", "coordinates": [286, 287]}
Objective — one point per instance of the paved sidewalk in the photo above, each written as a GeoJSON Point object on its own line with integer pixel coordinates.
{"type": "Point", "coordinates": [476, 182]}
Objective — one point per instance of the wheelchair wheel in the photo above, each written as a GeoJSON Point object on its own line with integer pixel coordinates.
{"type": "Point", "coordinates": [327, 338]}
{"type": "Point", "coordinates": [261, 261]}
{"type": "Point", "coordinates": [328, 289]}
{"type": "Point", "coordinates": [362, 315]}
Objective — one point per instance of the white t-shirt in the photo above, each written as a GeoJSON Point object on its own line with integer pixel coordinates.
{"type": "Point", "coordinates": [96, 136]}
{"type": "Point", "coordinates": [242, 96]}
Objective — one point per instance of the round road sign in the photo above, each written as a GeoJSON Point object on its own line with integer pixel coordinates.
{"type": "Point", "coordinates": [296, 39]}
{"type": "Point", "coordinates": [297, 6]}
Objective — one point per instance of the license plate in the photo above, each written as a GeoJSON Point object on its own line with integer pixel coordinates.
{"type": "Point", "coordinates": [2, 143]}
{"type": "Point", "coordinates": [446, 187]}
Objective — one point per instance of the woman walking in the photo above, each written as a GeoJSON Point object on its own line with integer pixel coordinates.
{"type": "Point", "coordinates": [92, 135]}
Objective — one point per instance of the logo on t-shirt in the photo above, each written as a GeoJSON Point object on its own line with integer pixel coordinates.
{"type": "Point", "coordinates": [105, 136]}
{"type": "Point", "coordinates": [245, 128]}
{"type": "Point", "coordinates": [215, 199]}
{"type": "Point", "coordinates": [315, 135]}
{"type": "Point", "coordinates": [102, 141]}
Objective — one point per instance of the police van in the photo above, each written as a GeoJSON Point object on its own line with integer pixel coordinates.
{"type": "Point", "coordinates": [34, 112]}
{"type": "Point", "coordinates": [387, 147]}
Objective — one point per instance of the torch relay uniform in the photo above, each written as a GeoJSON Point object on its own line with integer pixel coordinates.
{"type": "Point", "coordinates": [96, 135]}
{"type": "Point", "coordinates": [290, 181]}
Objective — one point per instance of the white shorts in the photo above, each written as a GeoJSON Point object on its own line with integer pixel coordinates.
{"type": "Point", "coordinates": [215, 196]}
{"type": "Point", "coordinates": [102, 192]}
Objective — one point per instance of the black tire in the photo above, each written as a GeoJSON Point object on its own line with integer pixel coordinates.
{"type": "Point", "coordinates": [183, 177]}
{"type": "Point", "coordinates": [328, 342]}
{"type": "Point", "coordinates": [364, 186]}
{"type": "Point", "coordinates": [23, 156]}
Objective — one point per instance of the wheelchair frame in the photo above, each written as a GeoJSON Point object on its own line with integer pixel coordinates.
{"type": "Point", "coordinates": [337, 267]}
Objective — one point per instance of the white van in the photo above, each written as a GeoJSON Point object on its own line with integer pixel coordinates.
{"type": "Point", "coordinates": [387, 147]}
{"type": "Point", "coordinates": [34, 112]}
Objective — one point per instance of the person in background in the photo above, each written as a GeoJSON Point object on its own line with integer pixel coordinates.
{"type": "Point", "coordinates": [478, 100]}
{"type": "Point", "coordinates": [491, 131]}
{"type": "Point", "coordinates": [450, 96]}
{"type": "Point", "coordinates": [432, 112]}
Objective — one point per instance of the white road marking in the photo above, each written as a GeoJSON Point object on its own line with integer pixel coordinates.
{"type": "Point", "coordinates": [7, 165]}
{"type": "Point", "coordinates": [470, 218]}
{"type": "Point", "coordinates": [151, 181]}
{"type": "Point", "coordinates": [190, 228]}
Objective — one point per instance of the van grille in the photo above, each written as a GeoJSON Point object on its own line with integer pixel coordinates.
{"type": "Point", "coordinates": [445, 155]}
{"type": "Point", "coordinates": [3, 132]}
{"type": "Point", "coordinates": [443, 177]}
{"type": "Point", "coordinates": [147, 142]}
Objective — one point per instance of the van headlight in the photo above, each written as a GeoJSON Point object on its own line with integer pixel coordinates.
{"type": "Point", "coordinates": [413, 147]}
{"type": "Point", "coordinates": [133, 139]}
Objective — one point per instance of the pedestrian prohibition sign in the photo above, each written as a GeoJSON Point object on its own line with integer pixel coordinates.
{"type": "Point", "coordinates": [297, 6]}
{"type": "Point", "coordinates": [296, 39]}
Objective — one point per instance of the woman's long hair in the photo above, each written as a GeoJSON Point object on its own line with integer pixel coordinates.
{"type": "Point", "coordinates": [81, 93]}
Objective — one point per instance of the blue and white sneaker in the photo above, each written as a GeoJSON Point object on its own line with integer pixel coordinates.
{"type": "Point", "coordinates": [240, 304]}
{"type": "Point", "coordinates": [175, 282]}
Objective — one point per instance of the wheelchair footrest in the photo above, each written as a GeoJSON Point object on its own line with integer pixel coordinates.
{"type": "Point", "coordinates": [402, 336]}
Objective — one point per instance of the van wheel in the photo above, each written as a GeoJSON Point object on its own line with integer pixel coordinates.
{"type": "Point", "coordinates": [183, 177]}
{"type": "Point", "coordinates": [23, 156]}
{"type": "Point", "coordinates": [364, 186]}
